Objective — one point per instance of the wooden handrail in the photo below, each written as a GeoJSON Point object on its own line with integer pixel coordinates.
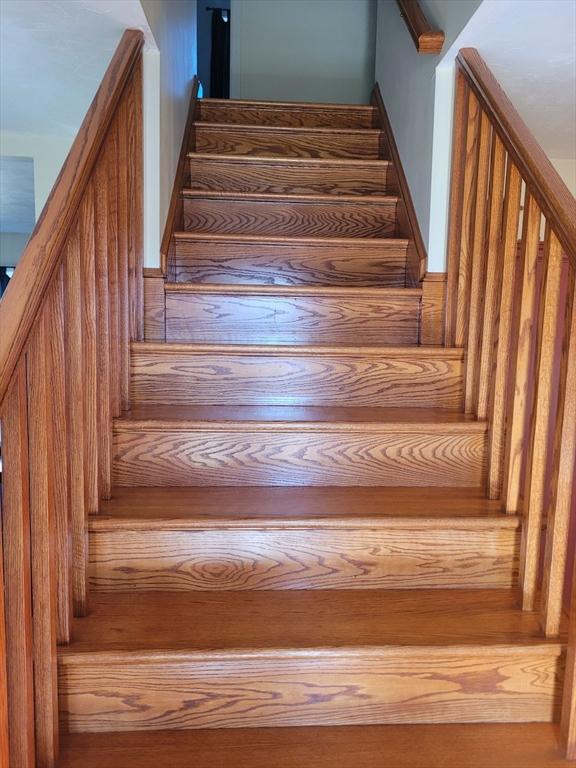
{"type": "Point", "coordinates": [426, 39]}
{"type": "Point", "coordinates": [551, 193]}
{"type": "Point", "coordinates": [26, 290]}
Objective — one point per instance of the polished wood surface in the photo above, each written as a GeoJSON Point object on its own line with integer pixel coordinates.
{"type": "Point", "coordinates": [432, 319]}
{"type": "Point", "coordinates": [203, 375]}
{"type": "Point", "coordinates": [262, 141]}
{"type": "Point", "coordinates": [534, 745]}
{"type": "Point", "coordinates": [206, 445]}
{"type": "Point", "coordinates": [407, 220]}
{"type": "Point", "coordinates": [425, 37]}
{"type": "Point", "coordinates": [288, 175]}
{"type": "Point", "coordinates": [291, 315]}
{"type": "Point", "coordinates": [288, 114]}
{"type": "Point", "coordinates": [363, 664]}
{"type": "Point", "coordinates": [257, 260]}
{"type": "Point", "coordinates": [290, 215]}
{"type": "Point", "coordinates": [155, 308]}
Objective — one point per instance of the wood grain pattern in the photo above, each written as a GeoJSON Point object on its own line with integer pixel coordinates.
{"type": "Point", "coordinates": [203, 446]}
{"type": "Point", "coordinates": [287, 142]}
{"type": "Point", "coordinates": [154, 308]}
{"type": "Point", "coordinates": [229, 259]}
{"type": "Point", "coordinates": [425, 37]}
{"type": "Point", "coordinates": [4, 726]}
{"type": "Point", "coordinates": [514, 745]}
{"type": "Point", "coordinates": [396, 553]}
{"type": "Point", "coordinates": [292, 215]}
{"type": "Point", "coordinates": [17, 571]}
{"type": "Point", "coordinates": [229, 173]}
{"type": "Point", "coordinates": [289, 114]}
{"type": "Point", "coordinates": [393, 377]}
{"type": "Point", "coordinates": [307, 657]}
{"type": "Point", "coordinates": [289, 315]}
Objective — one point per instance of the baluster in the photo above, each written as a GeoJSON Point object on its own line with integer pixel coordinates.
{"type": "Point", "coordinates": [564, 470]}
{"type": "Point", "coordinates": [4, 746]}
{"type": "Point", "coordinates": [55, 311]}
{"type": "Point", "coordinates": [536, 472]}
{"type": "Point", "coordinates": [17, 572]}
{"type": "Point", "coordinates": [111, 155]}
{"type": "Point", "coordinates": [517, 440]}
{"type": "Point", "coordinates": [76, 420]}
{"type": "Point", "coordinates": [123, 269]}
{"type": "Point", "coordinates": [457, 184]}
{"type": "Point", "coordinates": [493, 278]}
{"type": "Point", "coordinates": [478, 268]}
{"type": "Point", "coordinates": [134, 169]}
{"type": "Point", "coordinates": [139, 199]}
{"type": "Point", "coordinates": [89, 349]}
{"type": "Point", "coordinates": [496, 442]}
{"type": "Point", "coordinates": [43, 549]}
{"type": "Point", "coordinates": [103, 325]}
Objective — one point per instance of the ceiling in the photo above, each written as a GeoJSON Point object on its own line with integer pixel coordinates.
{"type": "Point", "coordinates": [53, 54]}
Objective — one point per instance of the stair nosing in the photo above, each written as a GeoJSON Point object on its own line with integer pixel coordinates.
{"type": "Point", "coordinates": [273, 197]}
{"type": "Point", "coordinates": [322, 162]}
{"type": "Point", "coordinates": [252, 127]}
{"type": "Point", "coordinates": [320, 291]}
{"type": "Point", "coordinates": [167, 347]}
{"type": "Point", "coordinates": [382, 242]}
{"type": "Point", "coordinates": [301, 105]}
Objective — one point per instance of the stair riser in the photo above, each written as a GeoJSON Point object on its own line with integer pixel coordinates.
{"type": "Point", "coordinates": [281, 178]}
{"type": "Point", "coordinates": [322, 117]}
{"type": "Point", "coordinates": [191, 378]}
{"type": "Point", "coordinates": [253, 319]}
{"type": "Point", "coordinates": [393, 685]}
{"type": "Point", "coordinates": [290, 219]}
{"type": "Point", "coordinates": [399, 557]}
{"type": "Point", "coordinates": [287, 143]}
{"type": "Point", "coordinates": [261, 263]}
{"type": "Point", "coordinates": [198, 456]}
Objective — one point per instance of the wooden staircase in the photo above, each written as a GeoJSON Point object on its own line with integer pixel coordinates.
{"type": "Point", "coordinates": [298, 533]}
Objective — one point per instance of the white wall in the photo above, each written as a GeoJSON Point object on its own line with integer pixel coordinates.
{"type": "Point", "coordinates": [407, 81]}
{"type": "Point", "coordinates": [302, 50]}
{"type": "Point", "coordinates": [173, 24]}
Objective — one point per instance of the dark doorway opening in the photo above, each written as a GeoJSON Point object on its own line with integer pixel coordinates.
{"type": "Point", "coordinates": [214, 49]}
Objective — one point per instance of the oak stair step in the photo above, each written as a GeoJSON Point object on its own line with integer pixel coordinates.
{"type": "Point", "coordinates": [160, 445]}
{"type": "Point", "coordinates": [287, 113]}
{"type": "Point", "coordinates": [288, 175]}
{"type": "Point", "coordinates": [268, 141]}
{"type": "Point", "coordinates": [264, 260]}
{"type": "Point", "coordinates": [477, 745]}
{"type": "Point", "coordinates": [290, 215]}
{"type": "Point", "coordinates": [245, 314]}
{"type": "Point", "coordinates": [171, 660]}
{"type": "Point", "coordinates": [288, 538]}
{"type": "Point", "coordinates": [394, 377]}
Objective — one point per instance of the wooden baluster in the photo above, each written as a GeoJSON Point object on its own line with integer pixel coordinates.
{"type": "Point", "coordinates": [518, 432]}
{"type": "Point", "coordinates": [468, 212]}
{"type": "Point", "coordinates": [17, 571]}
{"type": "Point", "coordinates": [536, 472]}
{"type": "Point", "coordinates": [128, 128]}
{"type": "Point", "coordinates": [493, 278]}
{"type": "Point", "coordinates": [568, 720]}
{"type": "Point", "coordinates": [103, 341]}
{"type": "Point", "coordinates": [4, 745]}
{"type": "Point", "coordinates": [77, 435]}
{"type": "Point", "coordinates": [455, 231]}
{"type": "Point", "coordinates": [89, 349]}
{"type": "Point", "coordinates": [55, 310]}
{"type": "Point", "coordinates": [496, 443]}
{"type": "Point", "coordinates": [564, 471]}
{"type": "Point", "coordinates": [111, 155]}
{"type": "Point", "coordinates": [478, 269]}
{"type": "Point", "coordinates": [134, 127]}
{"type": "Point", "coordinates": [123, 268]}
{"type": "Point", "coordinates": [43, 545]}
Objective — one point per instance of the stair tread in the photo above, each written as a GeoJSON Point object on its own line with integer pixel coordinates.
{"type": "Point", "coordinates": [456, 353]}
{"type": "Point", "coordinates": [318, 291]}
{"type": "Point", "coordinates": [297, 105]}
{"type": "Point", "coordinates": [483, 745]}
{"type": "Point", "coordinates": [273, 197]}
{"type": "Point", "coordinates": [278, 129]}
{"type": "Point", "coordinates": [337, 621]}
{"type": "Point", "coordinates": [381, 242]}
{"type": "Point", "coordinates": [298, 162]}
{"type": "Point", "coordinates": [303, 415]}
{"type": "Point", "coordinates": [312, 506]}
